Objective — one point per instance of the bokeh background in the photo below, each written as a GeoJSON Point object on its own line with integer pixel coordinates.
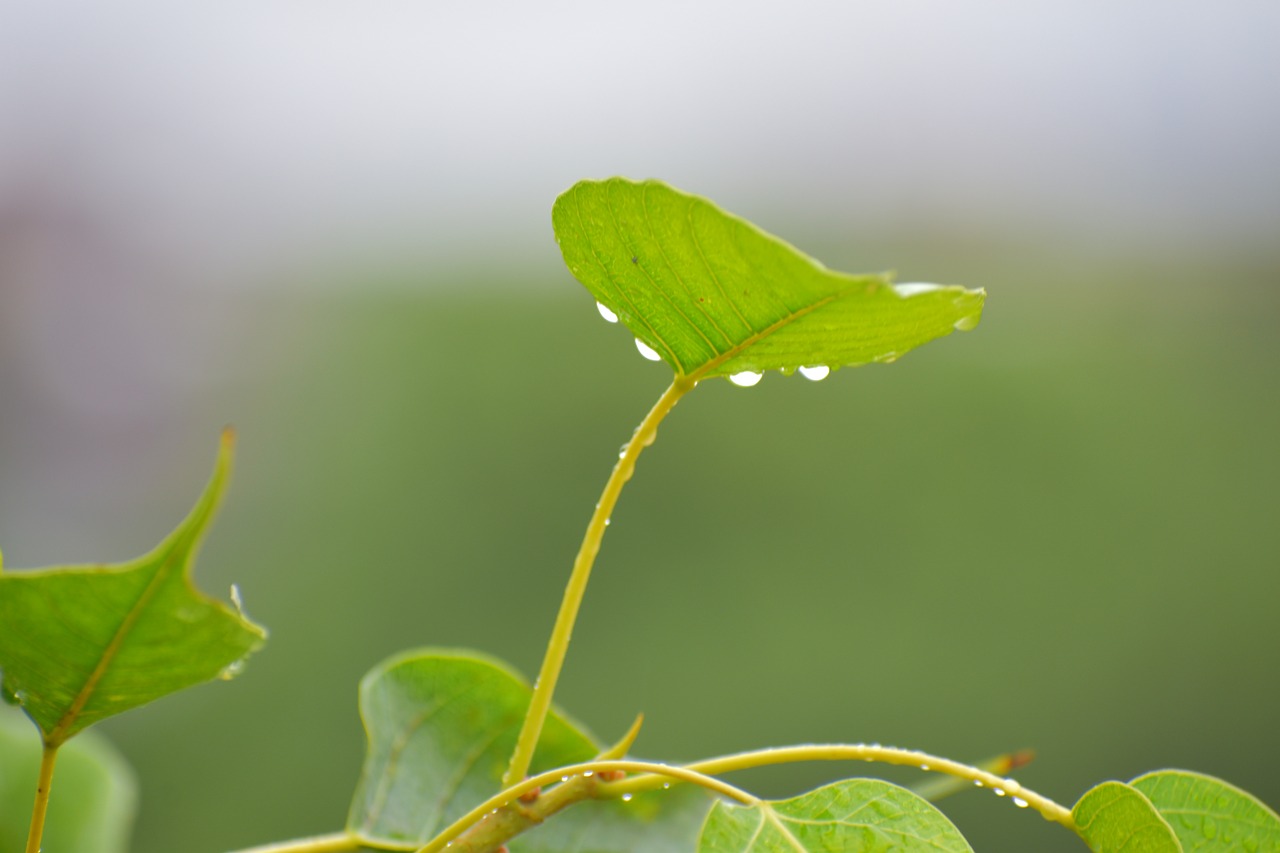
{"type": "Point", "coordinates": [329, 225]}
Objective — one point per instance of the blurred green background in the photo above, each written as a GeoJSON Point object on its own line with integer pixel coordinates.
{"type": "Point", "coordinates": [1058, 531]}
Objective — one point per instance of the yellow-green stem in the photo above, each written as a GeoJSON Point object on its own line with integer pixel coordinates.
{"type": "Point", "coordinates": [338, 842]}
{"type": "Point", "coordinates": [558, 646]}
{"type": "Point", "coordinates": [47, 759]}
{"type": "Point", "coordinates": [845, 752]}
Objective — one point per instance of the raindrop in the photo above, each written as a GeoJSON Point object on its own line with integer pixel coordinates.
{"type": "Point", "coordinates": [609, 316]}
{"type": "Point", "coordinates": [589, 773]}
{"type": "Point", "coordinates": [745, 379]}
{"type": "Point", "coordinates": [915, 288]}
{"type": "Point", "coordinates": [647, 351]}
{"type": "Point", "coordinates": [816, 373]}
{"type": "Point", "coordinates": [999, 792]}
{"type": "Point", "coordinates": [1020, 803]}
{"type": "Point", "coordinates": [607, 522]}
{"type": "Point", "coordinates": [978, 782]}
{"type": "Point", "coordinates": [924, 766]}
{"type": "Point", "coordinates": [626, 798]}
{"type": "Point", "coordinates": [666, 785]}
{"type": "Point", "coordinates": [564, 778]}
{"type": "Point", "coordinates": [965, 324]}
{"type": "Point", "coordinates": [231, 670]}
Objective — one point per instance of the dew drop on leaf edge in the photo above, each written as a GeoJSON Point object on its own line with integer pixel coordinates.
{"type": "Point", "coordinates": [609, 316]}
{"type": "Point", "coordinates": [647, 351]}
{"type": "Point", "coordinates": [816, 373]}
{"type": "Point", "coordinates": [746, 378]}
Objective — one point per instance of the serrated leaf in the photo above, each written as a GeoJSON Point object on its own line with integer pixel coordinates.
{"type": "Point", "coordinates": [96, 794]}
{"type": "Point", "coordinates": [441, 726]}
{"type": "Point", "coordinates": [864, 815]}
{"type": "Point", "coordinates": [81, 643]}
{"type": "Point", "coordinates": [1209, 815]}
{"type": "Point", "coordinates": [1114, 817]}
{"type": "Point", "coordinates": [714, 295]}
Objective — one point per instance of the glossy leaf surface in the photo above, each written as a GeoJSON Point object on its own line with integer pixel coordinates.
{"type": "Point", "coordinates": [81, 643]}
{"type": "Point", "coordinates": [714, 295]}
{"type": "Point", "coordinates": [1208, 814]}
{"type": "Point", "coordinates": [855, 814]}
{"type": "Point", "coordinates": [1116, 818]}
{"type": "Point", "coordinates": [441, 726]}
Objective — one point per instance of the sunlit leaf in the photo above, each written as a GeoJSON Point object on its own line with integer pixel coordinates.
{"type": "Point", "coordinates": [866, 815]}
{"type": "Point", "coordinates": [1115, 818]}
{"type": "Point", "coordinates": [1208, 814]}
{"type": "Point", "coordinates": [81, 643]}
{"type": "Point", "coordinates": [441, 726]}
{"type": "Point", "coordinates": [715, 296]}
{"type": "Point", "coordinates": [95, 791]}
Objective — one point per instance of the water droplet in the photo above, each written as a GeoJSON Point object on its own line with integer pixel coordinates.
{"type": "Point", "coordinates": [816, 373]}
{"type": "Point", "coordinates": [589, 773]}
{"type": "Point", "coordinates": [626, 798]}
{"type": "Point", "coordinates": [1020, 803]}
{"type": "Point", "coordinates": [609, 316]}
{"type": "Point", "coordinates": [999, 792]}
{"type": "Point", "coordinates": [745, 379]}
{"type": "Point", "coordinates": [924, 767]}
{"type": "Point", "coordinates": [888, 358]}
{"type": "Point", "coordinates": [666, 785]}
{"type": "Point", "coordinates": [914, 288]}
{"type": "Point", "coordinates": [978, 782]}
{"type": "Point", "coordinates": [647, 351]}
{"type": "Point", "coordinates": [966, 324]}
{"type": "Point", "coordinates": [235, 599]}
{"type": "Point", "coordinates": [564, 778]}
{"type": "Point", "coordinates": [231, 670]}
{"type": "Point", "coordinates": [607, 522]}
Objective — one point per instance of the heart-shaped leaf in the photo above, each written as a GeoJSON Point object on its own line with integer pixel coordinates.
{"type": "Point", "coordinates": [1115, 818]}
{"type": "Point", "coordinates": [715, 296]}
{"type": "Point", "coordinates": [866, 815]}
{"type": "Point", "coordinates": [1210, 815]}
{"type": "Point", "coordinates": [81, 643]}
{"type": "Point", "coordinates": [441, 726]}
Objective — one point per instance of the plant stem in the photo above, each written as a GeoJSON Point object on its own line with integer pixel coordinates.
{"type": "Point", "coordinates": [48, 757]}
{"type": "Point", "coordinates": [844, 752]}
{"type": "Point", "coordinates": [337, 842]}
{"type": "Point", "coordinates": [558, 646]}
{"type": "Point", "coordinates": [577, 782]}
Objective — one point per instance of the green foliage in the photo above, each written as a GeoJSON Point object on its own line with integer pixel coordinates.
{"type": "Point", "coordinates": [441, 725]}
{"type": "Point", "coordinates": [856, 814]}
{"type": "Point", "coordinates": [715, 296]}
{"type": "Point", "coordinates": [82, 643]}
{"type": "Point", "coordinates": [1113, 817]}
{"type": "Point", "coordinates": [96, 791]}
{"type": "Point", "coordinates": [1208, 814]}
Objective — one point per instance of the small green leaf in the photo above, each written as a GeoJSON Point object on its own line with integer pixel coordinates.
{"type": "Point", "coordinates": [714, 295]}
{"type": "Point", "coordinates": [866, 815]}
{"type": "Point", "coordinates": [94, 793]}
{"type": "Point", "coordinates": [441, 725]}
{"type": "Point", "coordinates": [82, 643]}
{"type": "Point", "coordinates": [1208, 814]}
{"type": "Point", "coordinates": [1113, 817]}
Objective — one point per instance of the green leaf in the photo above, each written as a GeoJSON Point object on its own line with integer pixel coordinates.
{"type": "Point", "coordinates": [441, 725]}
{"type": "Point", "coordinates": [82, 643]}
{"type": "Point", "coordinates": [855, 814]}
{"type": "Point", "coordinates": [1208, 814]}
{"type": "Point", "coordinates": [1114, 817]}
{"type": "Point", "coordinates": [714, 295]}
{"type": "Point", "coordinates": [94, 795]}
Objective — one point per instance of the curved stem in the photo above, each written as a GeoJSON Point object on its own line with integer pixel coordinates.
{"type": "Point", "coordinates": [844, 752]}
{"type": "Point", "coordinates": [48, 757]}
{"type": "Point", "coordinates": [566, 775]}
{"type": "Point", "coordinates": [338, 842]}
{"type": "Point", "coordinates": [558, 646]}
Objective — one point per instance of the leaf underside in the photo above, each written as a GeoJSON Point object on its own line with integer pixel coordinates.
{"type": "Point", "coordinates": [82, 643]}
{"type": "Point", "coordinates": [1116, 818]}
{"type": "Point", "coordinates": [866, 815]}
{"type": "Point", "coordinates": [441, 726]}
{"type": "Point", "coordinates": [1209, 815]}
{"type": "Point", "coordinates": [714, 295]}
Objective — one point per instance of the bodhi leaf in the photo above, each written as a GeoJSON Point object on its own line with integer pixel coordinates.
{"type": "Point", "coordinates": [714, 295]}
{"type": "Point", "coordinates": [81, 643]}
{"type": "Point", "coordinates": [441, 726]}
{"type": "Point", "coordinates": [1208, 814]}
{"type": "Point", "coordinates": [96, 792]}
{"type": "Point", "coordinates": [1114, 817]}
{"type": "Point", "coordinates": [866, 815]}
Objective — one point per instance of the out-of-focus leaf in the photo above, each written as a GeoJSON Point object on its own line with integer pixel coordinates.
{"type": "Point", "coordinates": [866, 815]}
{"type": "Point", "coordinates": [714, 295]}
{"type": "Point", "coordinates": [94, 793]}
{"type": "Point", "coordinates": [441, 726]}
{"type": "Point", "coordinates": [1115, 818]}
{"type": "Point", "coordinates": [81, 643]}
{"type": "Point", "coordinates": [1210, 815]}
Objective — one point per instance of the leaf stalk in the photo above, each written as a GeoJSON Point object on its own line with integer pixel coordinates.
{"type": "Point", "coordinates": [48, 757]}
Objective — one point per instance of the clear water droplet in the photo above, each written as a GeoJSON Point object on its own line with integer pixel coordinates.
{"type": "Point", "coordinates": [607, 522]}
{"type": "Point", "coordinates": [914, 288]}
{"type": "Point", "coordinates": [746, 378]}
{"type": "Point", "coordinates": [626, 798]}
{"type": "Point", "coordinates": [1020, 803]}
{"type": "Point", "coordinates": [666, 785]}
{"type": "Point", "coordinates": [924, 766]}
{"type": "Point", "coordinates": [999, 792]}
{"type": "Point", "coordinates": [236, 600]}
{"type": "Point", "coordinates": [589, 773]}
{"type": "Point", "coordinates": [609, 316]}
{"type": "Point", "coordinates": [564, 778]}
{"type": "Point", "coordinates": [978, 782]}
{"type": "Point", "coordinates": [816, 373]}
{"type": "Point", "coordinates": [647, 351]}
{"type": "Point", "coordinates": [966, 324]}
{"type": "Point", "coordinates": [231, 670]}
